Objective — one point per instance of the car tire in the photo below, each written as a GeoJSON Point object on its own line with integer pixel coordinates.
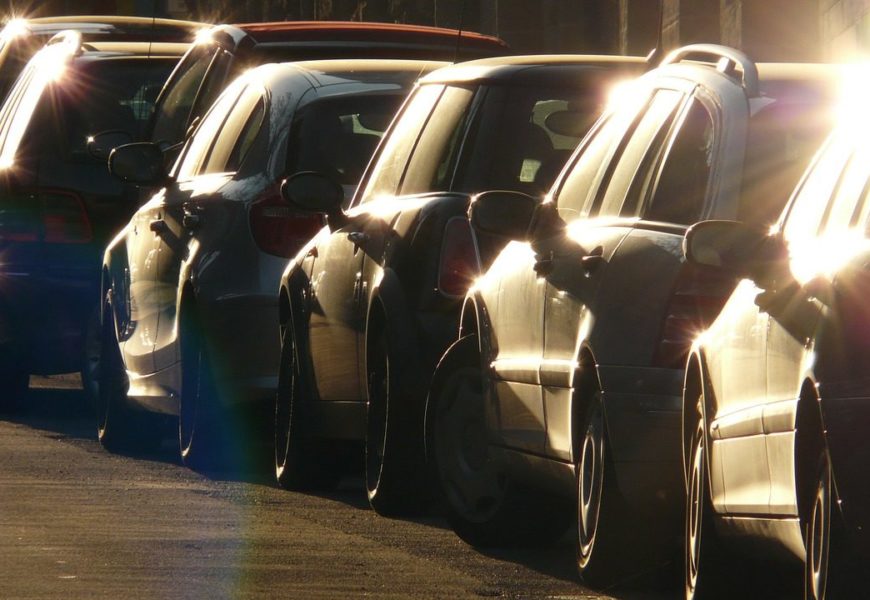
{"type": "Point", "coordinates": [199, 411]}
{"type": "Point", "coordinates": [90, 372]}
{"type": "Point", "coordinates": [484, 506]}
{"type": "Point", "coordinates": [302, 462]}
{"type": "Point", "coordinates": [603, 522]}
{"type": "Point", "coordinates": [119, 427]}
{"type": "Point", "coordinates": [704, 569]}
{"type": "Point", "coordinates": [395, 479]}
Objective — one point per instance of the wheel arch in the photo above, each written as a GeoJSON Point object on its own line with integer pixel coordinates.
{"type": "Point", "coordinates": [809, 444]}
{"type": "Point", "coordinates": [587, 381]}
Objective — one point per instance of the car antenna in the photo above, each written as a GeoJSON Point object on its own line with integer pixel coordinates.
{"type": "Point", "coordinates": [459, 32]}
{"type": "Point", "coordinates": [655, 55]}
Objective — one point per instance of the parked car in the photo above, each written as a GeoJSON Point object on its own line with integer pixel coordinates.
{"type": "Point", "coordinates": [226, 51]}
{"type": "Point", "coordinates": [58, 205]}
{"type": "Point", "coordinates": [566, 378]}
{"type": "Point", "coordinates": [776, 395]}
{"type": "Point", "coordinates": [368, 306]}
{"type": "Point", "coordinates": [189, 285]}
{"type": "Point", "coordinates": [20, 39]}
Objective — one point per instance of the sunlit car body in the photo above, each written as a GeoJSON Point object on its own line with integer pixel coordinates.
{"type": "Point", "coordinates": [777, 397]}
{"type": "Point", "coordinates": [567, 377]}
{"type": "Point", "coordinates": [190, 283]}
{"type": "Point", "coordinates": [371, 303]}
{"type": "Point", "coordinates": [20, 39]}
{"type": "Point", "coordinates": [224, 52]}
{"type": "Point", "coordinates": [58, 205]}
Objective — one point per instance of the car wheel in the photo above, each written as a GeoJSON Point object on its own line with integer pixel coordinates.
{"type": "Point", "coordinates": [602, 521]}
{"type": "Point", "coordinates": [301, 461]}
{"type": "Point", "coordinates": [90, 372]}
{"type": "Point", "coordinates": [198, 407]}
{"type": "Point", "coordinates": [119, 428]}
{"type": "Point", "coordinates": [395, 479]}
{"type": "Point", "coordinates": [484, 507]}
{"type": "Point", "coordinates": [703, 571]}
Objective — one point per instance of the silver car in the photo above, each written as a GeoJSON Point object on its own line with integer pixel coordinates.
{"type": "Point", "coordinates": [189, 285]}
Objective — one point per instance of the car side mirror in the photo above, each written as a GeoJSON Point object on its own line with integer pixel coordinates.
{"type": "Point", "coordinates": [311, 191]}
{"type": "Point", "coordinates": [141, 163]}
{"type": "Point", "coordinates": [737, 248]}
{"type": "Point", "coordinates": [100, 145]}
{"type": "Point", "coordinates": [503, 213]}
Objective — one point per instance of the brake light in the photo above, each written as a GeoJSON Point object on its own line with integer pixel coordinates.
{"type": "Point", "coordinates": [51, 216]}
{"type": "Point", "coordinates": [278, 228]}
{"type": "Point", "coordinates": [697, 299]}
{"type": "Point", "coordinates": [459, 263]}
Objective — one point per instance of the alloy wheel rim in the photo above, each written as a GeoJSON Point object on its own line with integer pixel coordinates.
{"type": "Point", "coordinates": [817, 553]}
{"type": "Point", "coordinates": [190, 402]}
{"type": "Point", "coordinates": [283, 411]}
{"type": "Point", "coordinates": [590, 483]}
{"type": "Point", "coordinates": [376, 438]}
{"type": "Point", "coordinates": [694, 513]}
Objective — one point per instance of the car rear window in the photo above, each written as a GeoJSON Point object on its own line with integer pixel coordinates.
{"type": "Point", "coordinates": [110, 94]}
{"type": "Point", "coordinates": [339, 135]}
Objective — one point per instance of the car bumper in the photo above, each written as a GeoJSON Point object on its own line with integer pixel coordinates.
{"type": "Point", "coordinates": [643, 408]}
{"type": "Point", "coordinates": [48, 317]}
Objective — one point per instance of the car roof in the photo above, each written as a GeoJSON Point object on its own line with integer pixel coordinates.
{"type": "Point", "coordinates": [108, 27]}
{"type": "Point", "coordinates": [363, 34]}
{"type": "Point", "coordinates": [533, 69]}
{"type": "Point", "coordinates": [112, 49]}
{"type": "Point", "coordinates": [327, 72]}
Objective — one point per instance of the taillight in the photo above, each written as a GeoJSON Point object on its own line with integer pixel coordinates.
{"type": "Point", "coordinates": [280, 229]}
{"type": "Point", "coordinates": [459, 263]}
{"type": "Point", "coordinates": [697, 299]}
{"type": "Point", "coordinates": [51, 216]}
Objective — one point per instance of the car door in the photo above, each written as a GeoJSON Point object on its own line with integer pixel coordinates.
{"type": "Point", "coordinates": [337, 314]}
{"type": "Point", "coordinates": [818, 229]}
{"type": "Point", "coordinates": [200, 177]}
{"type": "Point", "coordinates": [575, 265]}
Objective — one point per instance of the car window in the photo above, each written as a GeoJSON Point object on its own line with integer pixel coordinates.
{"type": "Point", "coordinates": [575, 195]}
{"type": "Point", "coordinates": [783, 137]}
{"type": "Point", "coordinates": [23, 102]}
{"type": "Point", "coordinates": [810, 202]}
{"type": "Point", "coordinates": [250, 105]}
{"type": "Point", "coordinates": [338, 136]}
{"type": "Point", "coordinates": [681, 189]}
{"type": "Point", "coordinates": [104, 95]}
{"type": "Point", "coordinates": [387, 172]}
{"type": "Point", "coordinates": [842, 214]}
{"type": "Point", "coordinates": [430, 167]}
{"type": "Point", "coordinates": [247, 136]}
{"type": "Point", "coordinates": [630, 159]}
{"type": "Point", "coordinates": [196, 153]}
{"type": "Point", "coordinates": [518, 144]}
{"type": "Point", "coordinates": [171, 116]}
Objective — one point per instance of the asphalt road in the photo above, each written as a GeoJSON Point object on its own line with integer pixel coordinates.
{"type": "Point", "coordinates": [78, 522]}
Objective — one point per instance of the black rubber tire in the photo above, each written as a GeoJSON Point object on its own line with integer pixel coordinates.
{"type": "Point", "coordinates": [119, 427]}
{"type": "Point", "coordinates": [705, 562]}
{"type": "Point", "coordinates": [394, 463]}
{"type": "Point", "coordinates": [606, 531]}
{"type": "Point", "coordinates": [484, 506]}
{"type": "Point", "coordinates": [90, 371]}
{"type": "Point", "coordinates": [302, 462]}
{"type": "Point", "coordinates": [200, 432]}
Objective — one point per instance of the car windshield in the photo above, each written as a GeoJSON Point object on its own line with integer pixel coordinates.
{"type": "Point", "coordinates": [339, 135]}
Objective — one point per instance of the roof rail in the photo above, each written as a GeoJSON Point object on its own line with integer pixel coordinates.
{"type": "Point", "coordinates": [727, 60]}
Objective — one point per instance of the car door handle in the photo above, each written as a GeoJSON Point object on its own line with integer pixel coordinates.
{"type": "Point", "coordinates": [158, 226]}
{"type": "Point", "coordinates": [591, 261]}
{"type": "Point", "coordinates": [544, 263]}
{"type": "Point", "coordinates": [358, 237]}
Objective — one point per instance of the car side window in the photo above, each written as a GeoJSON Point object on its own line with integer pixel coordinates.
{"type": "Point", "coordinates": [391, 162]}
{"type": "Point", "coordinates": [197, 151]}
{"type": "Point", "coordinates": [653, 126]}
{"type": "Point", "coordinates": [246, 116]}
{"type": "Point", "coordinates": [429, 168]}
{"type": "Point", "coordinates": [842, 214]}
{"type": "Point", "coordinates": [171, 115]}
{"type": "Point", "coordinates": [681, 188]}
{"type": "Point", "coordinates": [811, 200]}
{"type": "Point", "coordinates": [579, 187]}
